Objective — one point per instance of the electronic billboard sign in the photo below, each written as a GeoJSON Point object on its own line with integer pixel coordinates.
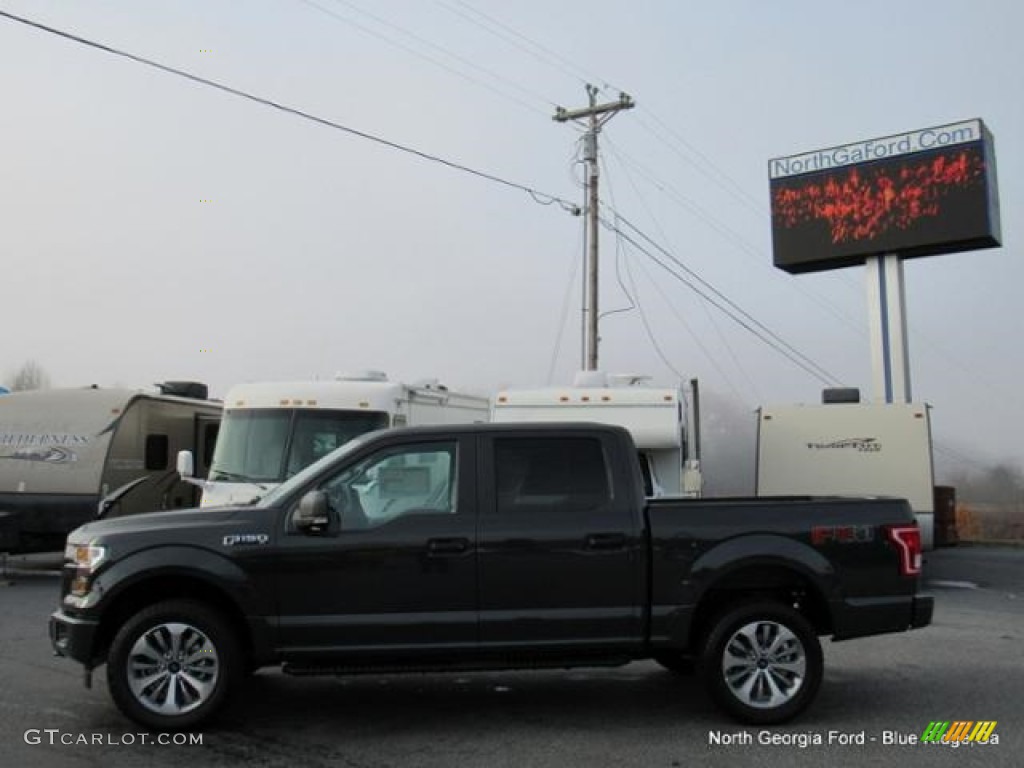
{"type": "Point", "coordinates": [914, 194]}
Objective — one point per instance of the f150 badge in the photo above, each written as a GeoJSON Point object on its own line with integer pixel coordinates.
{"type": "Point", "coordinates": [841, 534]}
{"type": "Point", "coordinates": [245, 538]}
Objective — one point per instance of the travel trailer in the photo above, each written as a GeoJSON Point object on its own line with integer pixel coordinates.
{"type": "Point", "coordinates": [65, 453]}
{"type": "Point", "coordinates": [271, 430]}
{"type": "Point", "coordinates": [656, 417]}
{"type": "Point", "coordinates": [845, 447]}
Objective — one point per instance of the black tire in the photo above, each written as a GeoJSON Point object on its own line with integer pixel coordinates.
{"type": "Point", "coordinates": [761, 662]}
{"type": "Point", "coordinates": [676, 663]}
{"type": "Point", "coordinates": [173, 665]}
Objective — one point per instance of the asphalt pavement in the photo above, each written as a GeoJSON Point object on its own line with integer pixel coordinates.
{"type": "Point", "coordinates": [877, 694]}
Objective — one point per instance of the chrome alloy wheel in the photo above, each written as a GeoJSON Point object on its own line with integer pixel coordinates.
{"type": "Point", "coordinates": [764, 664]}
{"type": "Point", "coordinates": [172, 668]}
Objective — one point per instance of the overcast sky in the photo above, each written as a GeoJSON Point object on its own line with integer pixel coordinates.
{"type": "Point", "coordinates": [154, 228]}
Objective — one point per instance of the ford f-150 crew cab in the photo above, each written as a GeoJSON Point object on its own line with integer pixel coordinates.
{"type": "Point", "coordinates": [482, 547]}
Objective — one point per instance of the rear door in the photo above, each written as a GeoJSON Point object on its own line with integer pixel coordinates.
{"type": "Point", "coordinates": [558, 545]}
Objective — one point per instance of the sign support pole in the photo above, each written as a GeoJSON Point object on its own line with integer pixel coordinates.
{"type": "Point", "coordinates": [887, 319]}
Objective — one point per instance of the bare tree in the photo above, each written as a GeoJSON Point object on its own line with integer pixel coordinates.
{"type": "Point", "coordinates": [30, 376]}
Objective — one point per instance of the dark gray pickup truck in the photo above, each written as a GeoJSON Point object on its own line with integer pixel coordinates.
{"type": "Point", "coordinates": [483, 547]}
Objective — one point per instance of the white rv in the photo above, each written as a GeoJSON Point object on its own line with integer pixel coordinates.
{"type": "Point", "coordinates": [656, 417]}
{"type": "Point", "coordinates": [63, 451]}
{"type": "Point", "coordinates": [272, 430]}
{"type": "Point", "coordinates": [849, 448]}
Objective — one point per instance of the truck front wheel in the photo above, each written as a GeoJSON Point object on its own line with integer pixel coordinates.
{"type": "Point", "coordinates": [172, 665]}
{"type": "Point", "coordinates": [762, 662]}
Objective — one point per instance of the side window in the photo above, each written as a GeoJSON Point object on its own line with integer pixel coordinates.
{"type": "Point", "coordinates": [209, 441]}
{"type": "Point", "coordinates": [157, 448]}
{"type": "Point", "coordinates": [567, 474]}
{"type": "Point", "coordinates": [645, 470]}
{"type": "Point", "coordinates": [395, 482]}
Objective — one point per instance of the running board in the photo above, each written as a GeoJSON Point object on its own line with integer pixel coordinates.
{"type": "Point", "coordinates": [478, 665]}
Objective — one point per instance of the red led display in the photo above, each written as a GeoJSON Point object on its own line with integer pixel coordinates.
{"type": "Point", "coordinates": [915, 205]}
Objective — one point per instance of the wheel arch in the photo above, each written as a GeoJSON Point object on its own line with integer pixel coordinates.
{"type": "Point", "coordinates": [759, 566]}
{"type": "Point", "coordinates": [161, 587]}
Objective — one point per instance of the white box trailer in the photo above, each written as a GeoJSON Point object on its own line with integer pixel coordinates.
{"type": "Point", "coordinates": [62, 451]}
{"type": "Point", "coordinates": [656, 417]}
{"type": "Point", "coordinates": [849, 448]}
{"type": "Point", "coordinates": [271, 430]}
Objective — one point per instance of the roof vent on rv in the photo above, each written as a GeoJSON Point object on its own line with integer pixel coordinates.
{"type": "Point", "coordinates": [590, 379]}
{"type": "Point", "coordinates": [195, 390]}
{"type": "Point", "coordinates": [835, 395]}
{"type": "Point", "coordinates": [628, 380]}
{"type": "Point", "coordinates": [362, 376]}
{"type": "Point", "coordinates": [429, 384]}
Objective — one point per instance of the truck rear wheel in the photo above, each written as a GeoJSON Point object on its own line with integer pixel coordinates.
{"type": "Point", "coordinates": [762, 662]}
{"type": "Point", "coordinates": [172, 665]}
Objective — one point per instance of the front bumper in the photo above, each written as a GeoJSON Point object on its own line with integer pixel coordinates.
{"type": "Point", "coordinates": [73, 637]}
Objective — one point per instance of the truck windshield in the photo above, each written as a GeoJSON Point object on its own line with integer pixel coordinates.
{"type": "Point", "coordinates": [272, 444]}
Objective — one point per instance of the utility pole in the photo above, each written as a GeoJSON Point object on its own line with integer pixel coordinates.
{"type": "Point", "coordinates": [596, 116]}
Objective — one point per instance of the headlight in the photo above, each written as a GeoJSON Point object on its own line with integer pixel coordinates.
{"type": "Point", "coordinates": [84, 556]}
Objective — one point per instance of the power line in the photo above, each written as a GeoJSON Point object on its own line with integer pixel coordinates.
{"type": "Point", "coordinates": [542, 198]}
{"type": "Point", "coordinates": [504, 32]}
{"type": "Point", "coordinates": [441, 49]}
{"type": "Point", "coordinates": [650, 332]}
{"type": "Point", "coordinates": [725, 305]}
{"type": "Point", "coordinates": [706, 167]}
{"type": "Point", "coordinates": [722, 296]}
{"type": "Point", "coordinates": [661, 130]}
{"type": "Point", "coordinates": [713, 359]}
{"type": "Point", "coordinates": [564, 313]}
{"type": "Point", "coordinates": [729, 233]}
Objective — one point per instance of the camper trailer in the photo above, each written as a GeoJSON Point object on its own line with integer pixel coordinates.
{"type": "Point", "coordinates": [65, 453]}
{"type": "Point", "coordinates": [845, 447]}
{"type": "Point", "coordinates": [656, 417]}
{"type": "Point", "coordinates": [271, 430]}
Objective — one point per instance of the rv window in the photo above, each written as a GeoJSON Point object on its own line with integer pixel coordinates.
{"type": "Point", "coordinates": [156, 452]}
{"type": "Point", "coordinates": [317, 433]}
{"type": "Point", "coordinates": [209, 441]}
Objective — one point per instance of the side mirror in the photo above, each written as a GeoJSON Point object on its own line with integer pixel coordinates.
{"type": "Point", "coordinates": [186, 464]}
{"type": "Point", "coordinates": [313, 514]}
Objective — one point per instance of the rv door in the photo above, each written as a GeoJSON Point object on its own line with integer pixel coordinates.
{"type": "Point", "coordinates": [205, 439]}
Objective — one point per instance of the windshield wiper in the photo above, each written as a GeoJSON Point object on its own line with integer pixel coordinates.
{"type": "Point", "coordinates": [236, 477]}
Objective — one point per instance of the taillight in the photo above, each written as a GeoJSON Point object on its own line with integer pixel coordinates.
{"type": "Point", "coordinates": [907, 539]}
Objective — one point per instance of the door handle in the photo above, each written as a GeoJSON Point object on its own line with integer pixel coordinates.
{"type": "Point", "coordinates": [447, 546]}
{"type": "Point", "coordinates": [606, 541]}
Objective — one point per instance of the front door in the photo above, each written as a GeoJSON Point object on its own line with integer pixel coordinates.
{"type": "Point", "coordinates": [396, 570]}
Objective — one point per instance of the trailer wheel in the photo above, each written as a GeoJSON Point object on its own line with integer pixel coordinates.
{"type": "Point", "coordinates": [173, 665]}
{"type": "Point", "coordinates": [762, 662]}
